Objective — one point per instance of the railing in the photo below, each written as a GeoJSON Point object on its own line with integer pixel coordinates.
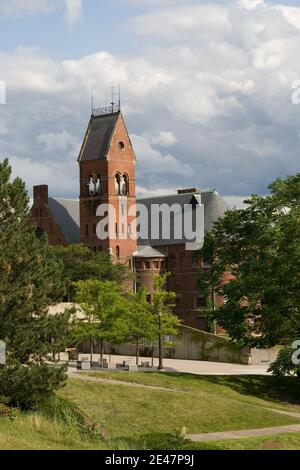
{"type": "Point", "coordinates": [115, 108]}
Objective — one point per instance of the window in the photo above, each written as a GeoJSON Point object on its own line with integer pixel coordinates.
{"type": "Point", "coordinates": [118, 184]}
{"type": "Point", "coordinates": [173, 260]}
{"type": "Point", "coordinates": [98, 185]}
{"type": "Point", "coordinates": [155, 265]}
{"type": "Point", "coordinates": [36, 213]}
{"type": "Point", "coordinates": [182, 260]}
{"type": "Point", "coordinates": [94, 229]}
{"type": "Point", "coordinates": [149, 298]}
{"type": "Point", "coordinates": [118, 253]}
{"type": "Point", "coordinates": [121, 146]}
{"type": "Point", "coordinates": [124, 185]}
{"type": "Point", "coordinates": [200, 301]}
{"type": "Point", "coordinates": [195, 260]}
{"type": "Point", "coordinates": [117, 230]}
{"type": "Point", "coordinates": [90, 186]}
{"type": "Point", "coordinates": [41, 212]}
{"type": "Point", "coordinates": [86, 230]}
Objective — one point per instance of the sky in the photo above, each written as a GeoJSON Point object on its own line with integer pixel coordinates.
{"type": "Point", "coordinates": [206, 89]}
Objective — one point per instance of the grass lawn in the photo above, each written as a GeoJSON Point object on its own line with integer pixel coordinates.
{"type": "Point", "coordinates": [143, 418]}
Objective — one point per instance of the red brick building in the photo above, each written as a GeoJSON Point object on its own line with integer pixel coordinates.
{"type": "Point", "coordinates": [107, 177]}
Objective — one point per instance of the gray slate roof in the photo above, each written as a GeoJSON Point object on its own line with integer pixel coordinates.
{"type": "Point", "coordinates": [98, 137]}
{"type": "Point", "coordinates": [214, 208]}
{"type": "Point", "coordinates": [146, 251]}
{"type": "Point", "coordinates": [66, 215]}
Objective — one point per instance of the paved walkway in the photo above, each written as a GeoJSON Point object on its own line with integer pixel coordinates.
{"type": "Point", "coordinates": [216, 436]}
{"type": "Point", "coordinates": [87, 378]}
{"type": "Point", "coordinates": [195, 367]}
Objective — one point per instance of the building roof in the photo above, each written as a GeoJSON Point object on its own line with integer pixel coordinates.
{"type": "Point", "coordinates": [98, 137]}
{"type": "Point", "coordinates": [66, 215]}
{"type": "Point", "coordinates": [147, 251]}
{"type": "Point", "coordinates": [214, 208]}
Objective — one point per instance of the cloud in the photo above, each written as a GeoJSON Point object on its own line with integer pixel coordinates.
{"type": "Point", "coordinates": [73, 11]}
{"type": "Point", "coordinates": [207, 100]}
{"type": "Point", "coordinates": [164, 139]}
{"type": "Point", "coordinates": [32, 7]}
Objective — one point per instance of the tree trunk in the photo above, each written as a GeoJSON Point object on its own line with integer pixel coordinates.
{"type": "Point", "coordinates": [101, 352]}
{"type": "Point", "coordinates": [92, 350]}
{"type": "Point", "coordinates": [152, 361]}
{"type": "Point", "coordinates": [137, 352]}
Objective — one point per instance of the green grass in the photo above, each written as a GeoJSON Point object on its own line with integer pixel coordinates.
{"type": "Point", "coordinates": [267, 391]}
{"type": "Point", "coordinates": [143, 418]}
{"type": "Point", "coordinates": [140, 411]}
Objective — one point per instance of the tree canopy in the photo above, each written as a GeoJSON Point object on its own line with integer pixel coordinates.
{"type": "Point", "coordinates": [30, 281]}
{"type": "Point", "coordinates": [255, 264]}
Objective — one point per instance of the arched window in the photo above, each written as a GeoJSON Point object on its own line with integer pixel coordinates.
{"type": "Point", "coordinates": [118, 253]}
{"type": "Point", "coordinates": [125, 185]}
{"type": "Point", "coordinates": [98, 185]}
{"type": "Point", "coordinates": [118, 184]}
{"type": "Point", "coordinates": [90, 186]}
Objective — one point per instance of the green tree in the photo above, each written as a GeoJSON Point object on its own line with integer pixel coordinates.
{"type": "Point", "coordinates": [167, 323]}
{"type": "Point", "coordinates": [30, 281]}
{"type": "Point", "coordinates": [105, 313]}
{"type": "Point", "coordinates": [141, 321]}
{"type": "Point", "coordinates": [255, 257]}
{"type": "Point", "coordinates": [80, 263]}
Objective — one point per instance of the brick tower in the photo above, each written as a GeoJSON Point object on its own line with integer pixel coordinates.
{"type": "Point", "coordinates": [107, 176]}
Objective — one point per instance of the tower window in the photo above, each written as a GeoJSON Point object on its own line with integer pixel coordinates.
{"type": "Point", "coordinates": [86, 230]}
{"type": "Point", "coordinates": [118, 184]}
{"type": "Point", "coordinates": [125, 185]}
{"type": "Point", "coordinates": [118, 254]}
{"type": "Point", "coordinates": [121, 146]}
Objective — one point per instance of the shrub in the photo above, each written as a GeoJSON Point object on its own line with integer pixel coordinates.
{"type": "Point", "coordinates": [27, 386]}
{"type": "Point", "coordinates": [284, 364]}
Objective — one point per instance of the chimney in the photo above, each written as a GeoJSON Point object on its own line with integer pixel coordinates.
{"type": "Point", "coordinates": [41, 192]}
{"type": "Point", "coordinates": [189, 191]}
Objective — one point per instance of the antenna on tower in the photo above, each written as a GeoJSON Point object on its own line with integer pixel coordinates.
{"type": "Point", "coordinates": [113, 94]}
{"type": "Point", "coordinates": [119, 96]}
{"type": "Point", "coordinates": [92, 99]}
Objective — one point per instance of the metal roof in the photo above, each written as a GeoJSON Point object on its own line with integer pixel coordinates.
{"type": "Point", "coordinates": [214, 208]}
{"type": "Point", "coordinates": [98, 137]}
{"type": "Point", "coordinates": [146, 251]}
{"type": "Point", "coordinates": [66, 215]}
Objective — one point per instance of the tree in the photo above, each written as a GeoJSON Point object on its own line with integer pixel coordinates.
{"type": "Point", "coordinates": [105, 313]}
{"type": "Point", "coordinates": [141, 321]}
{"type": "Point", "coordinates": [30, 281]}
{"type": "Point", "coordinates": [80, 263]}
{"type": "Point", "coordinates": [166, 322]}
{"type": "Point", "coordinates": [255, 257]}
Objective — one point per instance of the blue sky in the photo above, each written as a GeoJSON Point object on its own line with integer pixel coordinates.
{"type": "Point", "coordinates": [206, 89]}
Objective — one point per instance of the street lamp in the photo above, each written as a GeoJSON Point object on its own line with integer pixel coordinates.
{"type": "Point", "coordinates": [160, 363]}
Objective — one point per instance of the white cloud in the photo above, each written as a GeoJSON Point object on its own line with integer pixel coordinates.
{"type": "Point", "coordinates": [216, 96]}
{"type": "Point", "coordinates": [60, 141]}
{"type": "Point", "coordinates": [73, 11]}
{"type": "Point", "coordinates": [32, 7]}
{"type": "Point", "coordinates": [163, 138]}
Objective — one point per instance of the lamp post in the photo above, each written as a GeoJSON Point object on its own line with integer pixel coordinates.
{"type": "Point", "coordinates": [160, 357]}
